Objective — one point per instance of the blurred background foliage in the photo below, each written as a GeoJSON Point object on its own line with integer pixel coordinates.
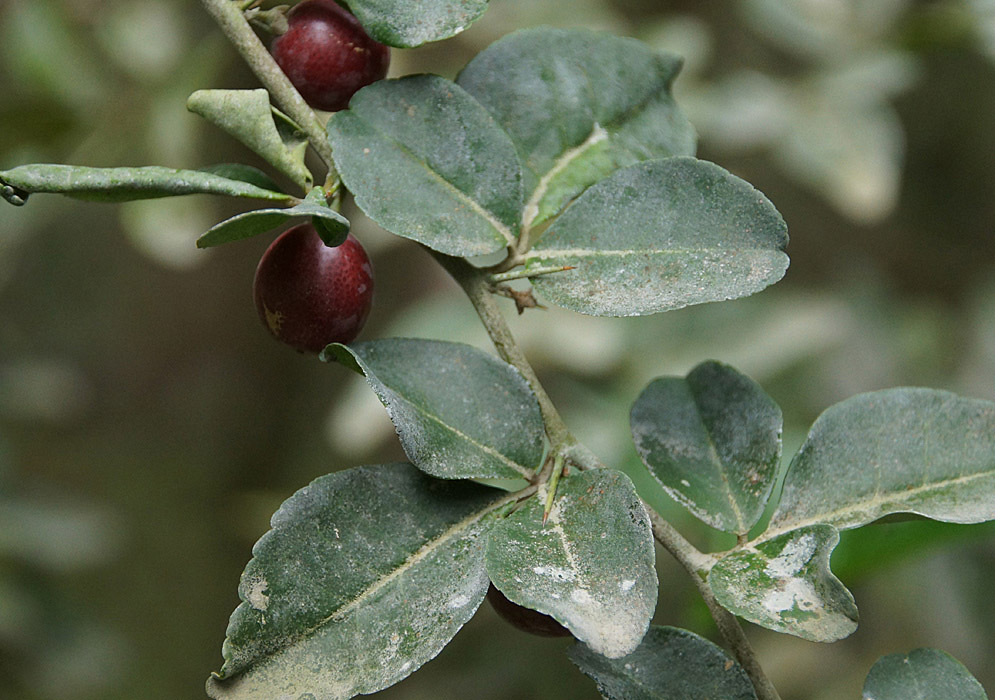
{"type": "Point", "coordinates": [149, 425]}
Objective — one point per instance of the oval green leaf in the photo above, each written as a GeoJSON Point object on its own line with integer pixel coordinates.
{"type": "Point", "coordinates": [427, 162]}
{"type": "Point", "coordinates": [332, 226]}
{"type": "Point", "coordinates": [459, 412]}
{"type": "Point", "coordinates": [713, 441]}
{"type": "Point", "coordinates": [922, 674]}
{"type": "Point", "coordinates": [905, 450]}
{"type": "Point", "coordinates": [406, 24]}
{"type": "Point", "coordinates": [578, 105]}
{"type": "Point", "coordinates": [591, 565]}
{"type": "Point", "coordinates": [785, 584]}
{"type": "Point", "coordinates": [123, 184]}
{"type": "Point", "coordinates": [248, 116]}
{"type": "Point", "coordinates": [669, 664]}
{"type": "Point", "coordinates": [365, 576]}
{"type": "Point", "coordinates": [661, 235]}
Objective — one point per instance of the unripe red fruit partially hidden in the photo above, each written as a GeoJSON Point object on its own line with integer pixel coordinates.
{"type": "Point", "coordinates": [308, 294]}
{"type": "Point", "coordinates": [327, 54]}
{"type": "Point", "coordinates": [525, 619]}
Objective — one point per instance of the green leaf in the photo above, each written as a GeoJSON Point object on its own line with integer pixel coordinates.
{"type": "Point", "coordinates": [406, 24]}
{"type": "Point", "coordinates": [591, 566]}
{"type": "Point", "coordinates": [427, 162]}
{"type": "Point", "coordinates": [123, 184]}
{"type": "Point", "coordinates": [661, 235]}
{"type": "Point", "coordinates": [332, 226]}
{"type": "Point", "coordinates": [785, 584]}
{"type": "Point", "coordinates": [460, 413]}
{"type": "Point", "coordinates": [248, 116]}
{"type": "Point", "coordinates": [905, 450]}
{"type": "Point", "coordinates": [922, 674]}
{"type": "Point", "coordinates": [669, 664]}
{"type": "Point", "coordinates": [578, 105]}
{"type": "Point", "coordinates": [244, 173]}
{"type": "Point", "coordinates": [713, 441]}
{"type": "Point", "coordinates": [365, 576]}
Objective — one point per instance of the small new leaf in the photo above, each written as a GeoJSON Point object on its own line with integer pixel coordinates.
{"type": "Point", "coordinates": [331, 226]}
{"type": "Point", "coordinates": [591, 566]}
{"type": "Point", "coordinates": [713, 441]}
{"type": "Point", "coordinates": [460, 413]}
{"type": "Point", "coordinates": [785, 584]}
{"type": "Point", "coordinates": [247, 116]}
{"type": "Point", "coordinates": [669, 663]}
{"type": "Point", "coordinates": [922, 674]}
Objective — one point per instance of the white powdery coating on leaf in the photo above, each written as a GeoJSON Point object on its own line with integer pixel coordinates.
{"type": "Point", "coordinates": [793, 558]}
{"type": "Point", "coordinates": [559, 573]}
{"type": "Point", "coordinates": [255, 594]}
{"type": "Point", "coordinates": [795, 592]}
{"type": "Point", "coordinates": [579, 595]}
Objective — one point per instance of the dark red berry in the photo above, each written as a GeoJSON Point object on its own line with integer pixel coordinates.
{"type": "Point", "coordinates": [328, 55]}
{"type": "Point", "coordinates": [310, 295]}
{"type": "Point", "coordinates": [525, 619]}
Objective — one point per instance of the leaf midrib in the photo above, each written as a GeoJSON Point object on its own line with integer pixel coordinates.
{"type": "Point", "coordinates": [863, 505]}
{"type": "Point", "coordinates": [473, 204]}
{"type": "Point", "coordinates": [416, 557]}
{"type": "Point", "coordinates": [486, 449]}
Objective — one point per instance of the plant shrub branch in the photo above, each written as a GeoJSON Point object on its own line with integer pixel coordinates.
{"type": "Point", "coordinates": [234, 25]}
{"type": "Point", "coordinates": [476, 285]}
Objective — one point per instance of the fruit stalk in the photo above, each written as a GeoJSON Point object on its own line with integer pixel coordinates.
{"type": "Point", "coordinates": [234, 25]}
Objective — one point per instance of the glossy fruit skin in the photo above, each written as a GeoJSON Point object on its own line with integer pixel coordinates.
{"type": "Point", "coordinates": [525, 619]}
{"type": "Point", "coordinates": [308, 294]}
{"type": "Point", "coordinates": [327, 54]}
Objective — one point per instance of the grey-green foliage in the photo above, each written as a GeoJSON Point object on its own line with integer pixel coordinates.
{"type": "Point", "coordinates": [459, 412]}
{"type": "Point", "coordinates": [661, 235]}
{"type": "Point", "coordinates": [905, 450]}
{"type": "Point", "coordinates": [247, 116]}
{"type": "Point", "coordinates": [785, 584]}
{"type": "Point", "coordinates": [365, 576]}
{"type": "Point", "coordinates": [125, 184]}
{"type": "Point", "coordinates": [669, 664]}
{"type": "Point", "coordinates": [427, 162]}
{"type": "Point", "coordinates": [589, 144]}
{"type": "Point", "coordinates": [407, 24]}
{"type": "Point", "coordinates": [922, 674]}
{"type": "Point", "coordinates": [578, 105]}
{"type": "Point", "coordinates": [591, 565]}
{"type": "Point", "coordinates": [713, 441]}
{"type": "Point", "coordinates": [331, 226]}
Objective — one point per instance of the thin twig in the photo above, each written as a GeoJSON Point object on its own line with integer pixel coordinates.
{"type": "Point", "coordinates": [478, 289]}
{"type": "Point", "coordinates": [234, 25]}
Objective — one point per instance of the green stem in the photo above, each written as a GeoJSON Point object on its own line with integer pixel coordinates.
{"type": "Point", "coordinates": [234, 25]}
{"type": "Point", "coordinates": [697, 564]}
{"type": "Point", "coordinates": [478, 289]}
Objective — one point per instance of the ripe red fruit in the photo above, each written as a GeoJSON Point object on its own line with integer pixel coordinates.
{"type": "Point", "coordinates": [310, 295]}
{"type": "Point", "coordinates": [327, 54]}
{"type": "Point", "coordinates": [525, 619]}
